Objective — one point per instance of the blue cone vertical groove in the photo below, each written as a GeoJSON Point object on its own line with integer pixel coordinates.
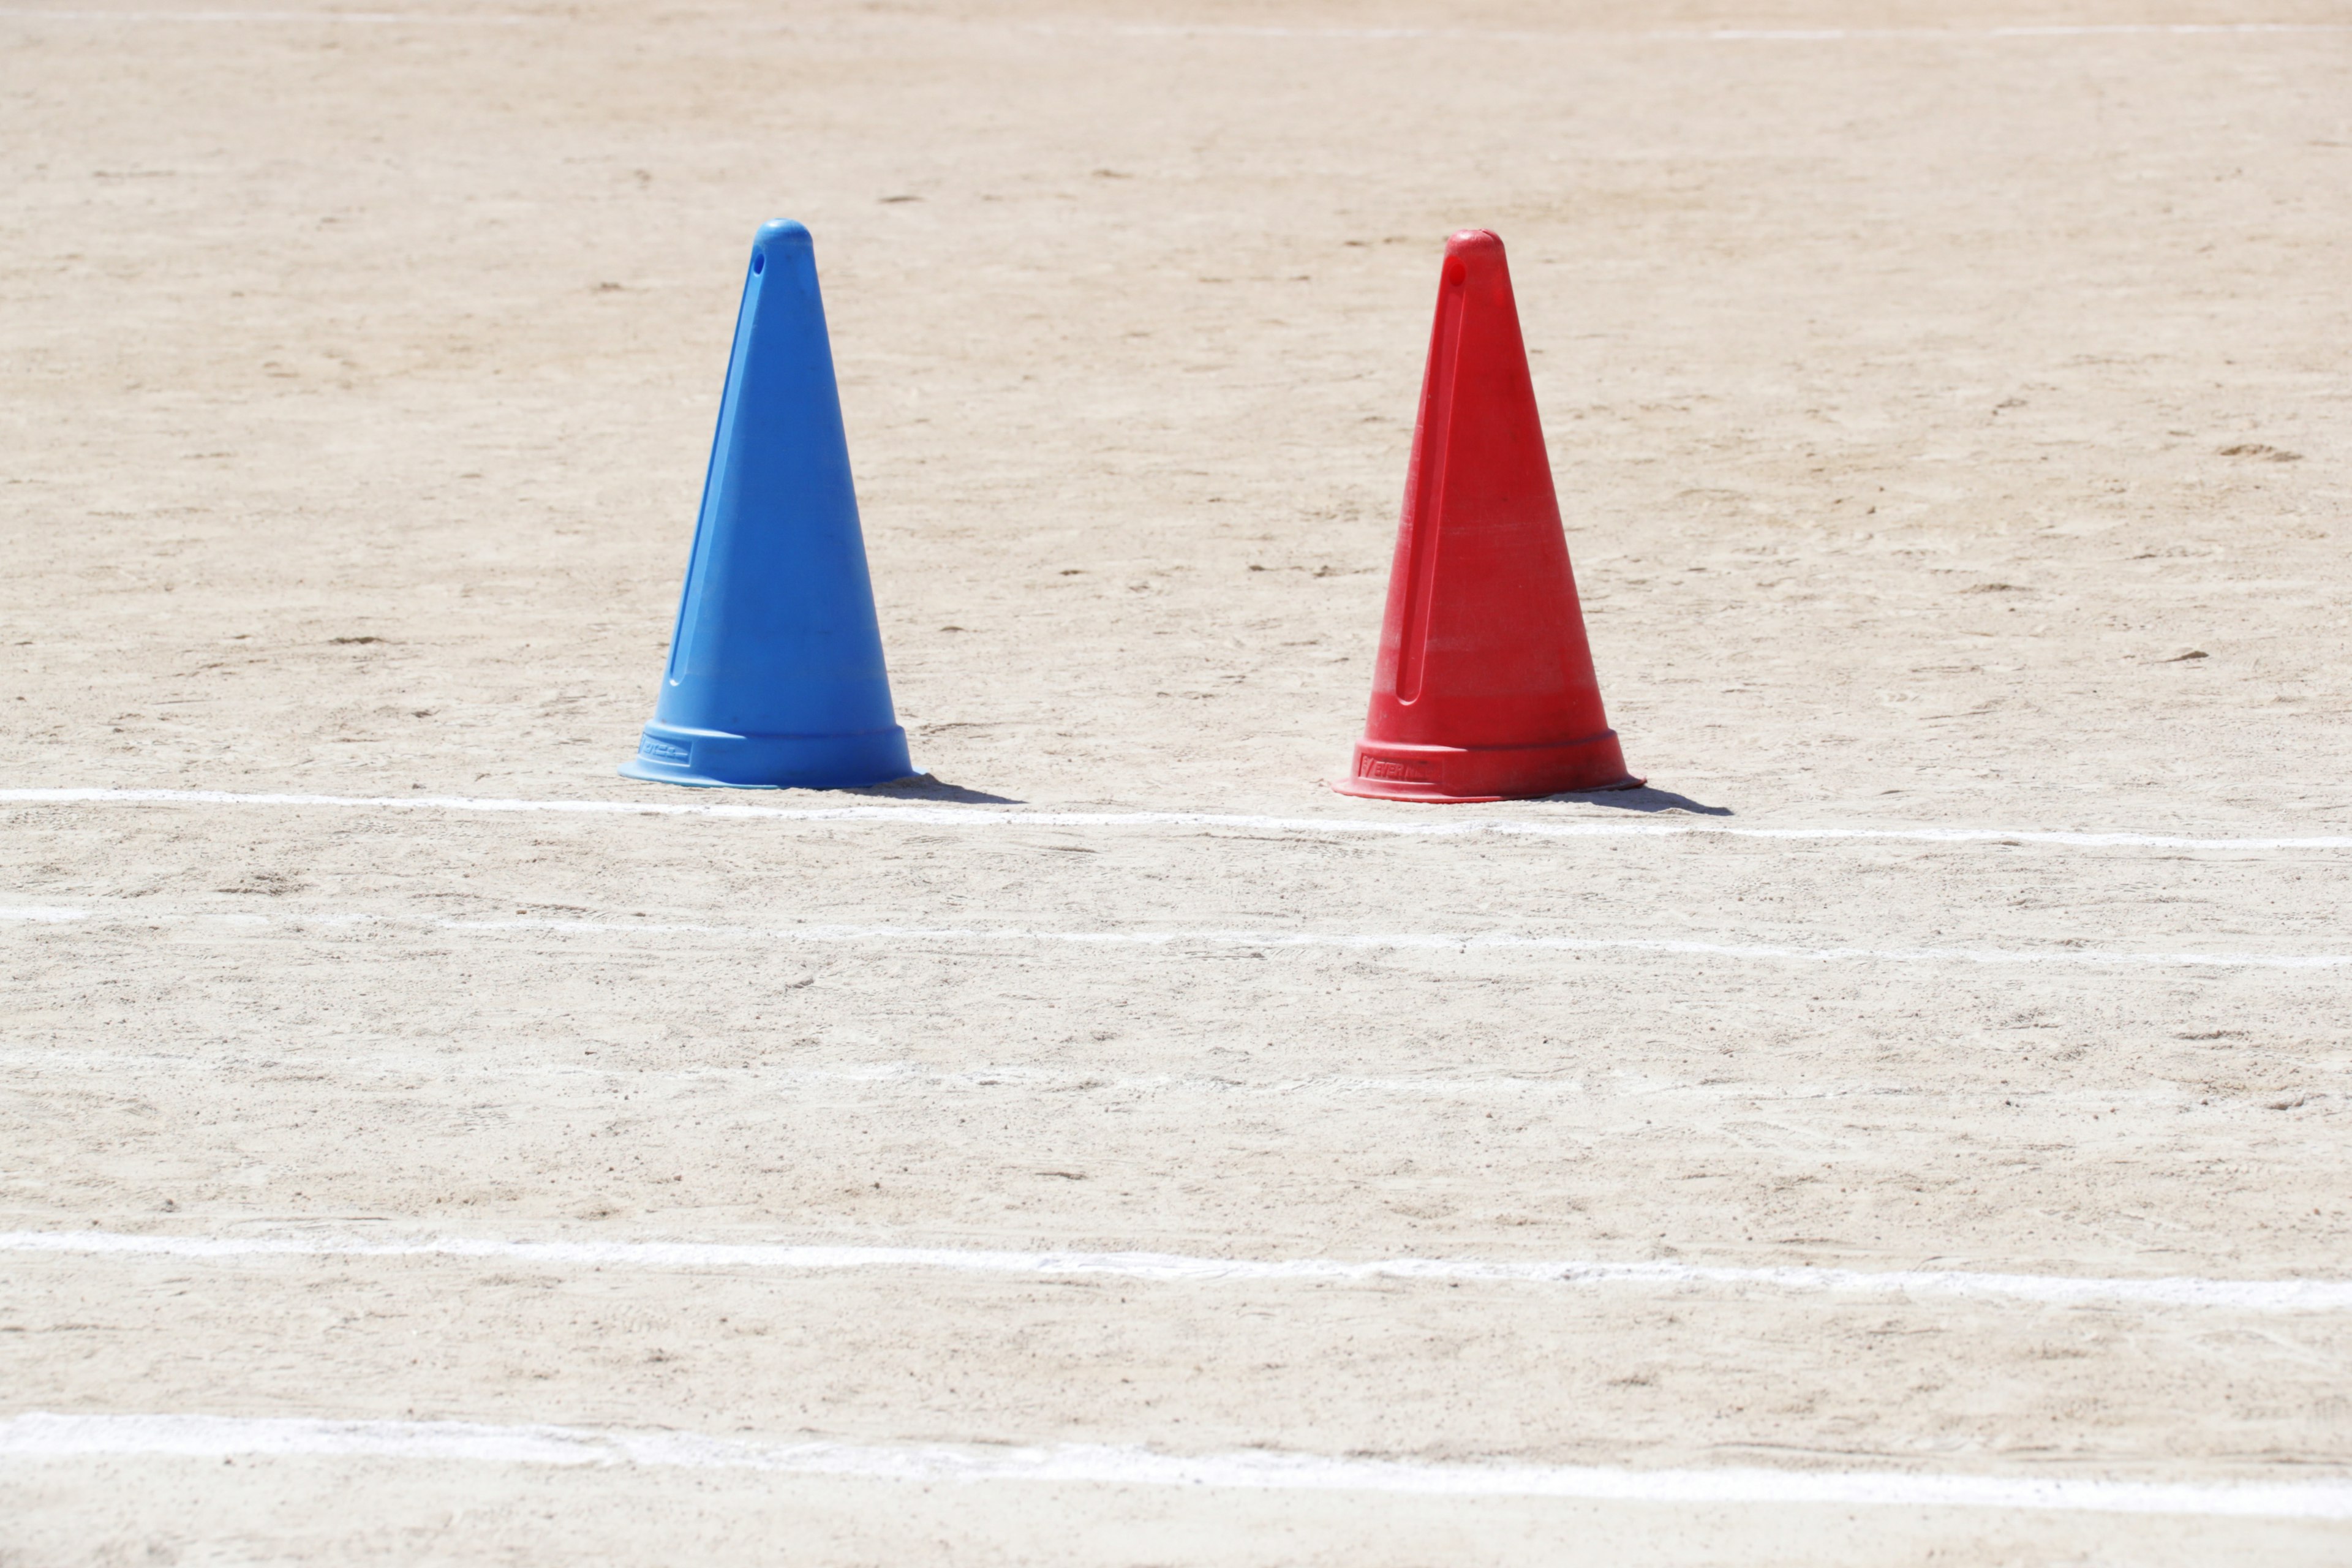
{"type": "Point", "coordinates": [775, 678]}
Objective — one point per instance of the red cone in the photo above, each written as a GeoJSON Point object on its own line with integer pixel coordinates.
{"type": "Point", "coordinates": [1485, 688]}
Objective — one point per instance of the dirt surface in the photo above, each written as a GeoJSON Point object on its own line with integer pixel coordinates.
{"type": "Point", "coordinates": [1948, 413]}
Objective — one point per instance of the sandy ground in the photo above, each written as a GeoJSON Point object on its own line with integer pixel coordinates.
{"type": "Point", "coordinates": [1950, 427]}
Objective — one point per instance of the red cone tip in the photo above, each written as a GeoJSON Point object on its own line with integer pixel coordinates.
{"type": "Point", "coordinates": [1485, 688]}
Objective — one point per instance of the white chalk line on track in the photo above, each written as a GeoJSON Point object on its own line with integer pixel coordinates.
{"type": "Point", "coordinates": [1254, 940]}
{"type": "Point", "coordinates": [1183, 30]}
{"type": "Point", "coordinates": [419, 1068]}
{"type": "Point", "coordinates": [457, 18]}
{"type": "Point", "coordinates": [40, 1436]}
{"type": "Point", "coordinates": [978, 816]}
{"type": "Point", "coordinates": [1723, 34]}
{"type": "Point", "coordinates": [1176, 1268]}
{"type": "Point", "coordinates": [412, 1070]}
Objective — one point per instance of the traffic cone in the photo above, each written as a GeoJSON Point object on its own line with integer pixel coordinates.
{"type": "Point", "coordinates": [775, 676]}
{"type": "Point", "coordinates": [1484, 689]}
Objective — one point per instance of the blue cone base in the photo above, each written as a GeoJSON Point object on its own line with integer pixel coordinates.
{"type": "Point", "coordinates": [717, 761]}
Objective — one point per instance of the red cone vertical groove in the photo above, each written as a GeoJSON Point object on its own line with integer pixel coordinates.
{"type": "Point", "coordinates": [1485, 688]}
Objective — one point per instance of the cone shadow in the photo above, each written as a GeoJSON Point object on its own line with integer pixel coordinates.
{"type": "Point", "coordinates": [924, 788]}
{"type": "Point", "coordinates": [1641, 798]}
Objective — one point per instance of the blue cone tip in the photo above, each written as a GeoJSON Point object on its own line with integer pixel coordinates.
{"type": "Point", "coordinates": [776, 678]}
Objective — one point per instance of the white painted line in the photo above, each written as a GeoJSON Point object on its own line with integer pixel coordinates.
{"type": "Point", "coordinates": [433, 1065]}
{"type": "Point", "coordinates": [2174, 29]}
{"type": "Point", "coordinates": [1167, 1268]}
{"type": "Point", "coordinates": [1720, 35]}
{"type": "Point", "coordinates": [457, 18]}
{"type": "Point", "coordinates": [925, 1077]}
{"type": "Point", "coordinates": [978, 816]}
{"type": "Point", "coordinates": [1211, 30]}
{"type": "Point", "coordinates": [1256, 940]}
{"type": "Point", "coordinates": [1465, 942]}
{"type": "Point", "coordinates": [36, 1435]}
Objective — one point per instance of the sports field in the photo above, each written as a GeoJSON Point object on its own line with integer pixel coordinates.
{"type": "Point", "coordinates": [1913, 1129]}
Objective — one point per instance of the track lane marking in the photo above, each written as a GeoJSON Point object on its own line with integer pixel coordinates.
{"type": "Point", "coordinates": [977, 816]}
{"type": "Point", "coordinates": [1244, 30]}
{"type": "Point", "coordinates": [427, 1065]}
{"type": "Point", "coordinates": [459, 18]}
{"type": "Point", "coordinates": [1163, 1267]}
{"type": "Point", "coordinates": [36, 1435]}
{"type": "Point", "coordinates": [1717, 35]}
{"type": "Point", "coordinates": [1258, 941]}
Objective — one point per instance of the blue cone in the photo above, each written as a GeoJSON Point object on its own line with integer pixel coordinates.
{"type": "Point", "coordinates": [775, 676]}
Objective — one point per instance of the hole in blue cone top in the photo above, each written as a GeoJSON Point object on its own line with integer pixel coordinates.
{"type": "Point", "coordinates": [759, 262]}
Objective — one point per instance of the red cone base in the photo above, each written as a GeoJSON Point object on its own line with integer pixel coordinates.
{"type": "Point", "coordinates": [1468, 774]}
{"type": "Point", "coordinates": [1484, 689]}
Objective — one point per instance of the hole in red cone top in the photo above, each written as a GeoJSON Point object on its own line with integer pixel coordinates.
{"type": "Point", "coordinates": [759, 262]}
{"type": "Point", "coordinates": [1463, 240]}
{"type": "Point", "coordinates": [1454, 270]}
